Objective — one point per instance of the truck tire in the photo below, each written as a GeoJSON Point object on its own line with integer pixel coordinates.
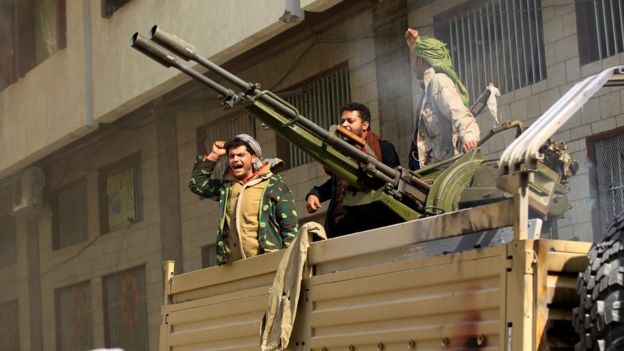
{"type": "Point", "coordinates": [599, 319]}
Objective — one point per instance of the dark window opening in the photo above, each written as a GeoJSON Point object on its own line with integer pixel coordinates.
{"type": "Point", "coordinates": [30, 32]}
{"type": "Point", "coordinates": [600, 29]}
{"type": "Point", "coordinates": [69, 215]}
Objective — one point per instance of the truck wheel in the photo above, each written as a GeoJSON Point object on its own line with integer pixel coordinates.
{"type": "Point", "coordinates": [599, 319]}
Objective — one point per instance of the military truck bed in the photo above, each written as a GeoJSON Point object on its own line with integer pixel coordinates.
{"type": "Point", "coordinates": [456, 281]}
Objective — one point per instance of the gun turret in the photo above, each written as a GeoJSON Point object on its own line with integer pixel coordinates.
{"type": "Point", "coordinates": [394, 194]}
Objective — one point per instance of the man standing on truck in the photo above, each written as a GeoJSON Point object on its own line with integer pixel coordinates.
{"type": "Point", "coordinates": [444, 124]}
{"type": "Point", "coordinates": [258, 212]}
{"type": "Point", "coordinates": [355, 118]}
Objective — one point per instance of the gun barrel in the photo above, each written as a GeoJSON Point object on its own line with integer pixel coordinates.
{"type": "Point", "coordinates": [146, 47]}
{"type": "Point", "coordinates": [156, 53]}
{"type": "Point", "coordinates": [188, 52]}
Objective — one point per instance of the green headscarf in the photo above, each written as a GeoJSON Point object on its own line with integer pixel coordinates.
{"type": "Point", "coordinates": [435, 53]}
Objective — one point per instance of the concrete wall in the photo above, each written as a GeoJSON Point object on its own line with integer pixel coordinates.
{"type": "Point", "coordinates": [53, 104]}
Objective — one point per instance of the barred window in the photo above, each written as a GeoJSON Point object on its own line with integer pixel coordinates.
{"type": "Point", "coordinates": [9, 322]}
{"type": "Point", "coordinates": [319, 100]}
{"type": "Point", "coordinates": [7, 241]}
{"type": "Point", "coordinates": [125, 310]}
{"type": "Point", "coordinates": [209, 255]}
{"type": "Point", "coordinates": [239, 122]}
{"type": "Point", "coordinates": [498, 41]}
{"type": "Point", "coordinates": [606, 150]}
{"type": "Point", "coordinates": [121, 194]}
{"type": "Point", "coordinates": [74, 329]}
{"type": "Point", "coordinates": [70, 215]}
{"type": "Point", "coordinates": [600, 29]}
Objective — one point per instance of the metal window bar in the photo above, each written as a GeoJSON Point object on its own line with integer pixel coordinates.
{"type": "Point", "coordinates": [505, 35]}
{"type": "Point", "coordinates": [74, 330]}
{"type": "Point", "coordinates": [124, 195]}
{"type": "Point", "coordinates": [608, 23]}
{"type": "Point", "coordinates": [610, 176]}
{"type": "Point", "coordinates": [72, 215]}
{"type": "Point", "coordinates": [126, 310]}
{"type": "Point", "coordinates": [320, 101]}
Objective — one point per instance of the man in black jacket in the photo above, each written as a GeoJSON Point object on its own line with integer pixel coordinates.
{"type": "Point", "coordinates": [340, 220]}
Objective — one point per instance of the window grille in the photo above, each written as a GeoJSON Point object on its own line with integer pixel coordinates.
{"type": "Point", "coordinates": [209, 255]}
{"type": "Point", "coordinates": [122, 194]}
{"type": "Point", "coordinates": [320, 101]}
{"type": "Point", "coordinates": [74, 329]}
{"type": "Point", "coordinates": [7, 241]}
{"type": "Point", "coordinates": [70, 217]}
{"type": "Point", "coordinates": [609, 154]}
{"type": "Point", "coordinates": [9, 322]}
{"type": "Point", "coordinates": [239, 122]}
{"type": "Point", "coordinates": [125, 310]}
{"type": "Point", "coordinates": [600, 25]}
{"type": "Point", "coordinates": [499, 41]}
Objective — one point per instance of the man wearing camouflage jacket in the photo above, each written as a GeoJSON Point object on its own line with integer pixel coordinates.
{"type": "Point", "coordinates": [258, 212]}
{"type": "Point", "coordinates": [444, 124]}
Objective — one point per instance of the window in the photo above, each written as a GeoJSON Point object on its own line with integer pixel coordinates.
{"type": "Point", "coordinates": [225, 128]}
{"type": "Point", "coordinates": [319, 100]}
{"type": "Point", "coordinates": [30, 31]}
{"type": "Point", "coordinates": [110, 6]}
{"type": "Point", "coordinates": [606, 152]}
{"type": "Point", "coordinates": [70, 215]}
{"type": "Point", "coordinates": [125, 310]}
{"type": "Point", "coordinates": [7, 241]}
{"type": "Point", "coordinates": [209, 255]}
{"type": "Point", "coordinates": [121, 195]}
{"type": "Point", "coordinates": [73, 317]}
{"type": "Point", "coordinates": [600, 29]}
{"type": "Point", "coordinates": [9, 322]}
{"type": "Point", "coordinates": [498, 41]}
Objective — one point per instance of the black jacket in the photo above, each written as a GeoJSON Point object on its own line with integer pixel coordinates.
{"type": "Point", "coordinates": [352, 221]}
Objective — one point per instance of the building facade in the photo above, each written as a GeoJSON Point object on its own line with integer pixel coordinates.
{"type": "Point", "coordinates": [97, 142]}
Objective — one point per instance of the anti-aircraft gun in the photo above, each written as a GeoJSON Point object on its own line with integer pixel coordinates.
{"type": "Point", "coordinates": [387, 195]}
{"type": "Point", "coordinates": [480, 277]}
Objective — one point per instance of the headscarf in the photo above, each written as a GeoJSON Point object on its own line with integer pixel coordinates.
{"type": "Point", "coordinates": [435, 53]}
{"type": "Point", "coordinates": [255, 146]}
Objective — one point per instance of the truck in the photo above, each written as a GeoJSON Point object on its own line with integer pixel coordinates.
{"type": "Point", "coordinates": [463, 258]}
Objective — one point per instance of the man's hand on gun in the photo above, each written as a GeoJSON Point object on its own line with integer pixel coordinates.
{"type": "Point", "coordinates": [469, 145]}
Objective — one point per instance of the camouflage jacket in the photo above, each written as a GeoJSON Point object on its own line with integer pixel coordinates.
{"type": "Point", "coordinates": [277, 218]}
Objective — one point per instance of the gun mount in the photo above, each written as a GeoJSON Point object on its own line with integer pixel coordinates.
{"type": "Point", "coordinates": [394, 195]}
